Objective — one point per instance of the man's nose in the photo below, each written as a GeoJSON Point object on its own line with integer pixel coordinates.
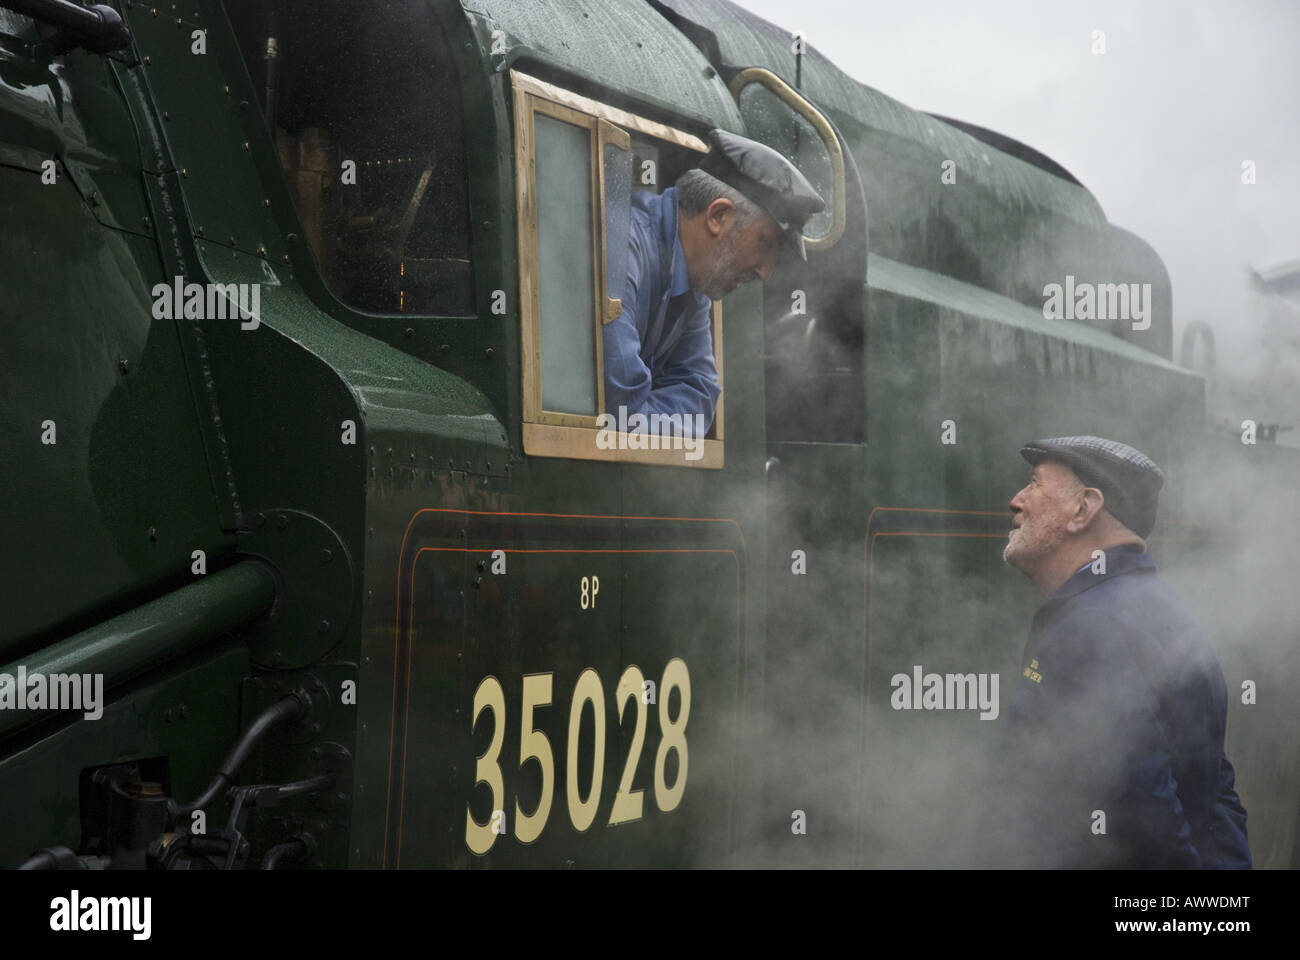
{"type": "Point", "coordinates": [764, 270]}
{"type": "Point", "coordinates": [1018, 501]}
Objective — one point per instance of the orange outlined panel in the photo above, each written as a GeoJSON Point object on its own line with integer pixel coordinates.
{"type": "Point", "coordinates": [526, 533]}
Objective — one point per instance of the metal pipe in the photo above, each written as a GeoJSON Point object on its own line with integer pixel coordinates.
{"type": "Point", "coordinates": [101, 26]}
{"type": "Point", "coordinates": [52, 858]}
{"type": "Point", "coordinates": [281, 710]}
{"type": "Point", "coordinates": [299, 788]}
{"type": "Point", "coordinates": [272, 59]}
{"type": "Point", "coordinates": [61, 13]}
{"type": "Point", "coordinates": [293, 850]}
{"type": "Point", "coordinates": [129, 644]}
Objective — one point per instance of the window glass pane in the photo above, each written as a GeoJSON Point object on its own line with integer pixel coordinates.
{"type": "Point", "coordinates": [375, 86]}
{"type": "Point", "coordinates": [770, 120]}
{"type": "Point", "coordinates": [566, 275]}
{"type": "Point", "coordinates": [618, 217]}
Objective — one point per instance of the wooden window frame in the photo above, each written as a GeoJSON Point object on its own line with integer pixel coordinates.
{"type": "Point", "coordinates": [548, 433]}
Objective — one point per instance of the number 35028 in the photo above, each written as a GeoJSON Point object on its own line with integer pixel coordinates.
{"type": "Point", "coordinates": [534, 745]}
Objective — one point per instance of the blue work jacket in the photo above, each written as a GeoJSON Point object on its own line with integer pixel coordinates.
{"type": "Point", "coordinates": [1120, 709]}
{"type": "Point", "coordinates": [659, 352]}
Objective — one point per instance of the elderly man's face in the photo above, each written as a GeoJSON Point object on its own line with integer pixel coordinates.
{"type": "Point", "coordinates": [739, 256]}
{"type": "Point", "coordinates": [1039, 514]}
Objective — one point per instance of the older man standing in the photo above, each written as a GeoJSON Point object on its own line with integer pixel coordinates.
{"type": "Point", "coordinates": [722, 225]}
{"type": "Point", "coordinates": [1112, 754]}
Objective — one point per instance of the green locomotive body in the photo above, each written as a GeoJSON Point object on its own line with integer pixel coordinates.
{"type": "Point", "coordinates": [303, 328]}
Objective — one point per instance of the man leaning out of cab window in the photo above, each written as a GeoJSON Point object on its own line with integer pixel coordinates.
{"type": "Point", "coordinates": [722, 225]}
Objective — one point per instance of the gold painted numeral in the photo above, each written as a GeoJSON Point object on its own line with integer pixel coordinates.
{"type": "Point", "coordinates": [587, 690]}
{"type": "Point", "coordinates": [534, 744]}
{"type": "Point", "coordinates": [479, 837]}
{"type": "Point", "coordinates": [674, 734]}
{"type": "Point", "coordinates": [628, 802]}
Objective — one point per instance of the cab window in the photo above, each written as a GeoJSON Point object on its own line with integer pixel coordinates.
{"type": "Point", "coordinates": [363, 102]}
{"type": "Point", "coordinates": [577, 164]}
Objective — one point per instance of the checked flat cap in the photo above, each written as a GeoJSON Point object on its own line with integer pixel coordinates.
{"type": "Point", "coordinates": [767, 178]}
{"type": "Point", "coordinates": [1128, 479]}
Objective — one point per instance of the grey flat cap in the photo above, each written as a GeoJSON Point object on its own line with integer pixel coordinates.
{"type": "Point", "coordinates": [1128, 479]}
{"type": "Point", "coordinates": [767, 178]}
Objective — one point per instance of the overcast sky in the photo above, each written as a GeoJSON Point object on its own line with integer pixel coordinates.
{"type": "Point", "coordinates": [1157, 127]}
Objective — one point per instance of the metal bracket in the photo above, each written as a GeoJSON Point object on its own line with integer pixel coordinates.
{"type": "Point", "coordinates": [315, 601]}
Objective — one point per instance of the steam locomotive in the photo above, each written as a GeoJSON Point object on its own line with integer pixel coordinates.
{"type": "Point", "coordinates": [302, 328]}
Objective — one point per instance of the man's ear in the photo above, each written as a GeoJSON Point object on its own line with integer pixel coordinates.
{"type": "Point", "coordinates": [718, 216]}
{"type": "Point", "coordinates": [1089, 507]}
